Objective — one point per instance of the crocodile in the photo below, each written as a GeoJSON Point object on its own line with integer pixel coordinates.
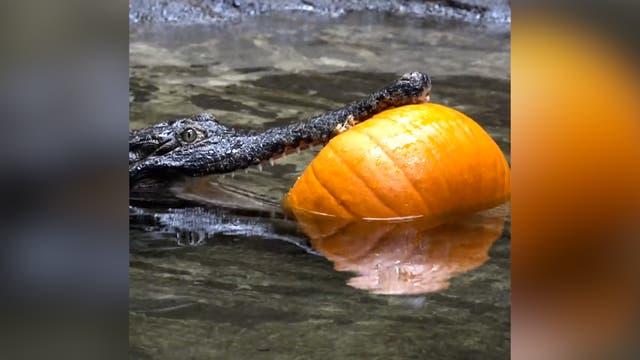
{"type": "Point", "coordinates": [200, 145]}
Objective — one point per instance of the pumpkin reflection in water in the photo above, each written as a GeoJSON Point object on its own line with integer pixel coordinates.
{"type": "Point", "coordinates": [404, 256]}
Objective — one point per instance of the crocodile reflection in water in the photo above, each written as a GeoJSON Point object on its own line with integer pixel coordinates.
{"type": "Point", "coordinates": [200, 145]}
{"type": "Point", "coordinates": [181, 227]}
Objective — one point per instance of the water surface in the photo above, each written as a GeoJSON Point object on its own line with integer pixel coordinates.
{"type": "Point", "coordinates": [225, 273]}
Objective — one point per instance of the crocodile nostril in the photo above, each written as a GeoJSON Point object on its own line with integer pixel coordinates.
{"type": "Point", "coordinates": [425, 96]}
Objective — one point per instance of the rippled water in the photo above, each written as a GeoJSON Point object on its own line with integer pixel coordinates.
{"type": "Point", "coordinates": [224, 272]}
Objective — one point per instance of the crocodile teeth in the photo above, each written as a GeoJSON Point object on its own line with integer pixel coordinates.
{"type": "Point", "coordinates": [246, 171]}
{"type": "Point", "coordinates": [260, 167]}
{"type": "Point", "coordinates": [233, 175]}
{"type": "Point", "coordinates": [271, 162]}
{"type": "Point", "coordinates": [298, 150]}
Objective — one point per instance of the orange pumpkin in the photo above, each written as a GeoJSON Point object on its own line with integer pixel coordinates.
{"type": "Point", "coordinates": [416, 160]}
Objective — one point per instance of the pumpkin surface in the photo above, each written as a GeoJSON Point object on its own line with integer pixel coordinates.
{"type": "Point", "coordinates": [415, 160]}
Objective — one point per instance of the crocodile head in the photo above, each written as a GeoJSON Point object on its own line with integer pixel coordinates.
{"type": "Point", "coordinates": [179, 145]}
{"type": "Point", "coordinates": [200, 145]}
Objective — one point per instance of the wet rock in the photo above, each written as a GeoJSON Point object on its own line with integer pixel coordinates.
{"type": "Point", "coordinates": [187, 12]}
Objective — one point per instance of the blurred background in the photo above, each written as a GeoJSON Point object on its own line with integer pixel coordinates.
{"type": "Point", "coordinates": [576, 200]}
{"type": "Point", "coordinates": [64, 100]}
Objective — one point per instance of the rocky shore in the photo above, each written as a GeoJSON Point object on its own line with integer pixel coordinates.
{"type": "Point", "coordinates": [191, 12]}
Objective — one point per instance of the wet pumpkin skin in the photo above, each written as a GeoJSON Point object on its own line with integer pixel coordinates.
{"type": "Point", "coordinates": [416, 160]}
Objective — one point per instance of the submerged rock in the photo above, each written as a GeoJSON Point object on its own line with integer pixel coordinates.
{"type": "Point", "coordinates": [188, 12]}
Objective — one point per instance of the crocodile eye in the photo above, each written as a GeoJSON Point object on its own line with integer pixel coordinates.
{"type": "Point", "coordinates": [189, 135]}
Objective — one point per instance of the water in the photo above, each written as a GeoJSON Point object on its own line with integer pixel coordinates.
{"type": "Point", "coordinates": [224, 272]}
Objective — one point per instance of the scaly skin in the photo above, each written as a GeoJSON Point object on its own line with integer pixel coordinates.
{"type": "Point", "coordinates": [200, 145]}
